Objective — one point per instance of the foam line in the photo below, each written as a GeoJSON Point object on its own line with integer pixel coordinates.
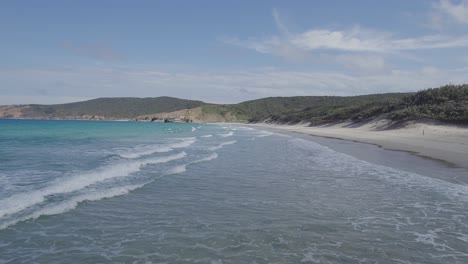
{"type": "Point", "coordinates": [148, 150]}
{"type": "Point", "coordinates": [72, 203]}
{"type": "Point", "coordinates": [222, 145]}
{"type": "Point", "coordinates": [21, 201]}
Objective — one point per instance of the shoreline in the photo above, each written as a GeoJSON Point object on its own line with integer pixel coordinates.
{"type": "Point", "coordinates": [443, 143]}
{"type": "Point", "coordinates": [440, 142]}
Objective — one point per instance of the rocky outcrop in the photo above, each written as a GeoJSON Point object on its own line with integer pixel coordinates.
{"type": "Point", "coordinates": [195, 115]}
{"type": "Point", "coordinates": [13, 111]}
{"type": "Point", "coordinates": [21, 111]}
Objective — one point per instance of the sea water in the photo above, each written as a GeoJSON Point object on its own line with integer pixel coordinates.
{"type": "Point", "coordinates": [125, 192]}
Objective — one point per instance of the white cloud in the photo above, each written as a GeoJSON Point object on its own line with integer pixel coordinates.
{"type": "Point", "coordinates": [457, 12]}
{"type": "Point", "coordinates": [278, 45]}
{"type": "Point", "coordinates": [279, 23]}
{"type": "Point", "coordinates": [220, 87]}
{"type": "Point", "coordinates": [360, 63]}
{"type": "Point", "coordinates": [355, 40]}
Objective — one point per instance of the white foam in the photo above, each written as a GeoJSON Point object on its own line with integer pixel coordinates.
{"type": "Point", "coordinates": [246, 128]}
{"type": "Point", "coordinates": [151, 149]}
{"type": "Point", "coordinates": [223, 144]}
{"type": "Point", "coordinates": [21, 201]}
{"type": "Point", "coordinates": [309, 257]}
{"type": "Point", "coordinates": [352, 166]}
{"type": "Point", "coordinates": [206, 136]}
{"type": "Point", "coordinates": [177, 169]}
{"type": "Point", "coordinates": [72, 203]}
{"type": "Point", "coordinates": [229, 134]}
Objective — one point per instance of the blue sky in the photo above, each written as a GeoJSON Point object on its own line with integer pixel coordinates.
{"type": "Point", "coordinates": [227, 51]}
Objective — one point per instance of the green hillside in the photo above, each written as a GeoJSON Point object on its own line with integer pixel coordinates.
{"type": "Point", "coordinates": [297, 109]}
{"type": "Point", "coordinates": [112, 107]}
{"type": "Point", "coordinates": [448, 103]}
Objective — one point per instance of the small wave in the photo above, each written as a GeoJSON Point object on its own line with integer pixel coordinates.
{"type": "Point", "coordinates": [183, 167]}
{"type": "Point", "coordinates": [222, 145]}
{"type": "Point", "coordinates": [210, 157]}
{"type": "Point", "coordinates": [72, 203]}
{"type": "Point", "coordinates": [229, 134]}
{"type": "Point", "coordinates": [207, 136]}
{"type": "Point", "coordinates": [264, 134]}
{"type": "Point", "coordinates": [185, 143]}
{"type": "Point", "coordinates": [21, 201]}
{"type": "Point", "coordinates": [144, 151]}
{"type": "Point", "coordinates": [148, 150]}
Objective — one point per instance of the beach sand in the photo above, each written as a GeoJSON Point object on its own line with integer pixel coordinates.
{"type": "Point", "coordinates": [437, 141]}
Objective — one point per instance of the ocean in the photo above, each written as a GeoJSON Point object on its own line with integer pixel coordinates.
{"type": "Point", "coordinates": [127, 192]}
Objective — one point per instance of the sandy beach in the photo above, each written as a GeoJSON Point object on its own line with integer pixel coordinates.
{"type": "Point", "coordinates": [437, 141]}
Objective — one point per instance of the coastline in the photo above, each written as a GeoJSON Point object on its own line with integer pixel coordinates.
{"type": "Point", "coordinates": [441, 142]}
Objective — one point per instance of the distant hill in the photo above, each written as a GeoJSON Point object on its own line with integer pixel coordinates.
{"type": "Point", "coordinates": [448, 103]}
{"type": "Point", "coordinates": [105, 108]}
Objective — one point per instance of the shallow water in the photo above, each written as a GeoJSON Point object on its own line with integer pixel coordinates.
{"type": "Point", "coordinates": [87, 192]}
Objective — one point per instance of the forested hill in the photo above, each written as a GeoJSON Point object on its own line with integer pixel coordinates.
{"type": "Point", "coordinates": [299, 108]}
{"type": "Point", "coordinates": [448, 103]}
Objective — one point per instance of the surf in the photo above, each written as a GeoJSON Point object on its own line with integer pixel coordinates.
{"type": "Point", "coordinates": [67, 184]}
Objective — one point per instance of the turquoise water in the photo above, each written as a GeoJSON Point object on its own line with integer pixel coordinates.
{"type": "Point", "coordinates": [124, 192]}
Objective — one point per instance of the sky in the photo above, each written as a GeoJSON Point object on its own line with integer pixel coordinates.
{"type": "Point", "coordinates": [227, 51]}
